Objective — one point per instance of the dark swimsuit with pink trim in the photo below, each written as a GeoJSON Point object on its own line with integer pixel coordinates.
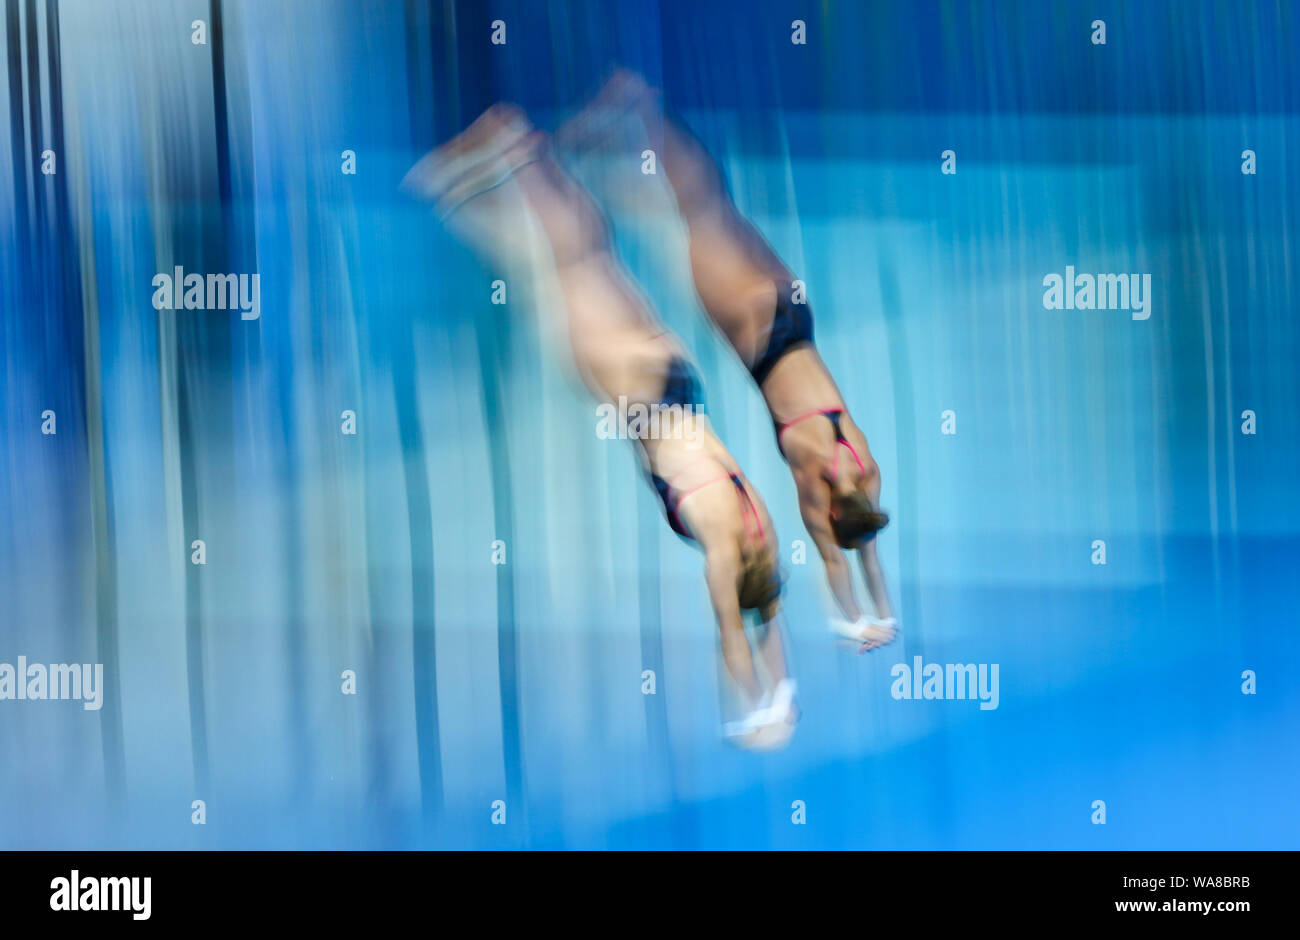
{"type": "Point", "coordinates": [682, 387]}
{"type": "Point", "coordinates": [673, 499]}
{"type": "Point", "coordinates": [832, 415]}
{"type": "Point", "coordinates": [792, 326]}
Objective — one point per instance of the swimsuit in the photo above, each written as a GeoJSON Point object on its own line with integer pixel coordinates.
{"type": "Point", "coordinates": [682, 386]}
{"type": "Point", "coordinates": [672, 500]}
{"type": "Point", "coordinates": [792, 326]}
{"type": "Point", "coordinates": [833, 415]}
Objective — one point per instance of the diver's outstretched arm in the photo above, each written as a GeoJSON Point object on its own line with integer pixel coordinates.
{"type": "Point", "coordinates": [874, 575]}
{"type": "Point", "coordinates": [722, 569]}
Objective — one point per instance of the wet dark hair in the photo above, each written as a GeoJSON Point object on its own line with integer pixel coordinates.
{"type": "Point", "coordinates": [760, 582]}
{"type": "Point", "coordinates": [854, 518]}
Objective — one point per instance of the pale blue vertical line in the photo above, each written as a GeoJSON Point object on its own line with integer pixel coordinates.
{"type": "Point", "coordinates": [908, 465]}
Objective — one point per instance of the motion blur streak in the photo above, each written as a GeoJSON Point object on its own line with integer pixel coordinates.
{"type": "Point", "coordinates": [522, 682]}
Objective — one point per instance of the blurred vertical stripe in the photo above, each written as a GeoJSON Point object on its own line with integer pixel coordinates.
{"type": "Point", "coordinates": [370, 553]}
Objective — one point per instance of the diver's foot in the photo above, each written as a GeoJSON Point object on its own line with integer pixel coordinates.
{"type": "Point", "coordinates": [623, 88]}
{"type": "Point", "coordinates": [607, 120]}
{"type": "Point", "coordinates": [499, 142]}
{"type": "Point", "coordinates": [498, 119]}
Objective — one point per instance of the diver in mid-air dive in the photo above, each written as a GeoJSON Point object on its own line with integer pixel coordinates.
{"type": "Point", "coordinates": [750, 295]}
{"type": "Point", "coordinates": [498, 187]}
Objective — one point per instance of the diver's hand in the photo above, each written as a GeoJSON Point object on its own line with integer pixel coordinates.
{"type": "Point", "coordinates": [868, 631]}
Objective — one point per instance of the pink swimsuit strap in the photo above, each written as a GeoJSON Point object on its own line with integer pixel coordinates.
{"type": "Point", "coordinates": [746, 507]}
{"type": "Point", "coordinates": [823, 412]}
{"type": "Point", "coordinates": [832, 414]}
{"type": "Point", "coordinates": [835, 466]}
{"type": "Point", "coordinates": [696, 489]}
{"type": "Point", "coordinates": [669, 481]}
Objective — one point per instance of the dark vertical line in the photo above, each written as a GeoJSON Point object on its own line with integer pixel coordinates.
{"type": "Point", "coordinates": [54, 59]}
{"type": "Point", "coordinates": [424, 658]}
{"type": "Point", "coordinates": [219, 109]}
{"type": "Point", "coordinates": [194, 652]}
{"type": "Point", "coordinates": [492, 366]}
{"type": "Point", "coordinates": [418, 103]}
{"type": "Point", "coordinates": [466, 53]}
{"type": "Point", "coordinates": [231, 247]}
{"type": "Point", "coordinates": [101, 485]}
{"type": "Point", "coordinates": [22, 161]}
{"type": "Point", "coordinates": [447, 115]}
{"type": "Point", "coordinates": [446, 72]}
{"type": "Point", "coordinates": [424, 647]}
{"type": "Point", "coordinates": [376, 658]}
{"type": "Point", "coordinates": [34, 119]}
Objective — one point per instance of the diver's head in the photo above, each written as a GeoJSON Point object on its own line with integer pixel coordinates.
{"type": "Point", "coordinates": [854, 518]}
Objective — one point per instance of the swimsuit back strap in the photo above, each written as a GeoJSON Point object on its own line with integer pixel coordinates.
{"type": "Point", "coordinates": [824, 412]}
{"type": "Point", "coordinates": [746, 503]}
{"type": "Point", "coordinates": [746, 507]}
{"type": "Point", "coordinates": [861, 465]}
{"type": "Point", "coordinates": [695, 489]}
{"type": "Point", "coordinates": [833, 415]}
{"type": "Point", "coordinates": [669, 481]}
